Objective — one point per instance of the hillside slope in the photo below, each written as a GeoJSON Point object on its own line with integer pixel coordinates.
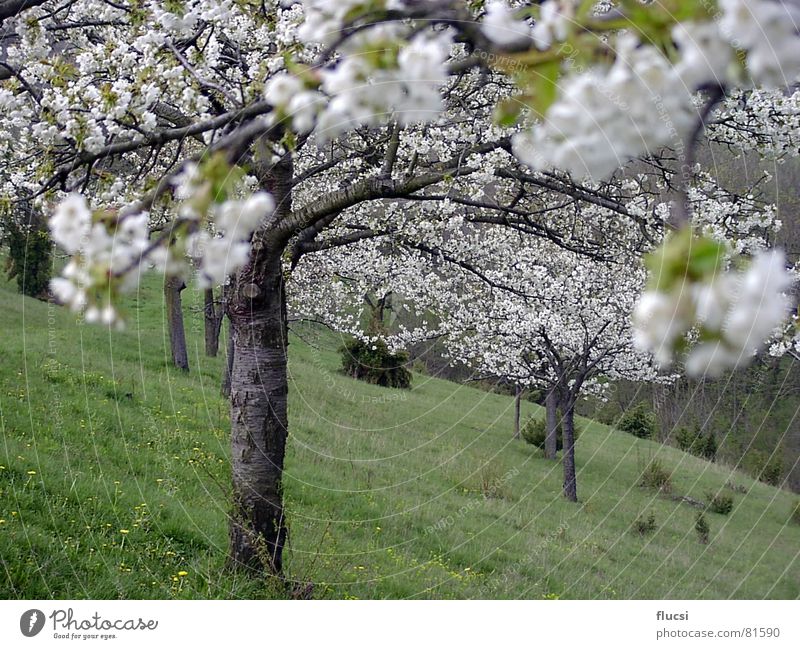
{"type": "Point", "coordinates": [114, 480]}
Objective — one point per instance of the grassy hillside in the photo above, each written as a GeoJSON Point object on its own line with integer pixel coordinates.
{"type": "Point", "coordinates": [114, 479]}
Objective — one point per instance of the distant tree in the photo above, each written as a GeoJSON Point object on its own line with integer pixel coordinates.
{"type": "Point", "coordinates": [29, 259]}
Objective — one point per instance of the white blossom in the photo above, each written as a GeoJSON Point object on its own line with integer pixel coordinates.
{"type": "Point", "coordinates": [71, 222]}
{"type": "Point", "coordinates": [500, 26]}
{"type": "Point", "coordinates": [768, 31]}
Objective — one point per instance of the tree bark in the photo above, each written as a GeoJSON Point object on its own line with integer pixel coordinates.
{"type": "Point", "coordinates": [551, 425]}
{"type": "Point", "coordinates": [212, 320]}
{"type": "Point", "coordinates": [570, 480]}
{"type": "Point", "coordinates": [517, 410]}
{"type": "Point", "coordinates": [259, 387]}
{"type": "Point", "coordinates": [231, 352]}
{"type": "Point", "coordinates": [177, 334]}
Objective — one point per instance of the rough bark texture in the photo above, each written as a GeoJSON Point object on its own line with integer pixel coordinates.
{"type": "Point", "coordinates": [517, 409]}
{"type": "Point", "coordinates": [226, 376]}
{"type": "Point", "coordinates": [551, 425]}
{"type": "Point", "coordinates": [259, 424]}
{"type": "Point", "coordinates": [212, 320]}
{"type": "Point", "coordinates": [177, 334]}
{"type": "Point", "coordinates": [570, 481]}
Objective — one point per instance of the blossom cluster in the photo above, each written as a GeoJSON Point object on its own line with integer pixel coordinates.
{"type": "Point", "coordinates": [365, 89]}
{"type": "Point", "coordinates": [735, 311]}
{"type": "Point", "coordinates": [219, 257]}
{"type": "Point", "coordinates": [503, 28]}
{"type": "Point", "coordinates": [768, 32]}
{"type": "Point", "coordinates": [607, 115]}
{"type": "Point", "coordinates": [102, 247]}
{"type": "Point", "coordinates": [111, 101]}
{"type": "Point", "coordinates": [109, 249]}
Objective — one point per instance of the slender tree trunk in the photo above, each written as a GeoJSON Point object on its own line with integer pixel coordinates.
{"type": "Point", "coordinates": [259, 387]}
{"type": "Point", "coordinates": [551, 430]}
{"type": "Point", "coordinates": [212, 319]}
{"type": "Point", "coordinates": [517, 410]}
{"type": "Point", "coordinates": [177, 334]}
{"type": "Point", "coordinates": [231, 352]}
{"type": "Point", "coordinates": [570, 481]}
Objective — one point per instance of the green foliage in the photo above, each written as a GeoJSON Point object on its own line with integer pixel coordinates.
{"type": "Point", "coordinates": [656, 476]}
{"type": "Point", "coordinates": [374, 363]}
{"type": "Point", "coordinates": [796, 513]}
{"type": "Point", "coordinates": [702, 528]}
{"type": "Point", "coordinates": [720, 503]}
{"type": "Point", "coordinates": [30, 258]}
{"type": "Point", "coordinates": [765, 467]}
{"type": "Point", "coordinates": [645, 525]}
{"type": "Point", "coordinates": [638, 421]}
{"type": "Point", "coordinates": [710, 447]}
{"type": "Point", "coordinates": [692, 440]}
{"type": "Point", "coordinates": [535, 432]}
{"type": "Point", "coordinates": [683, 256]}
{"type": "Point", "coordinates": [687, 439]}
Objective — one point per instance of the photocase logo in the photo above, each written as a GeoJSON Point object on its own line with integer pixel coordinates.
{"type": "Point", "coordinates": [31, 622]}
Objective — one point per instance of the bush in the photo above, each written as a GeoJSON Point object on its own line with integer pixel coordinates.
{"type": "Point", "coordinates": [29, 257]}
{"type": "Point", "coordinates": [645, 525]}
{"type": "Point", "coordinates": [686, 439]}
{"type": "Point", "coordinates": [765, 467]}
{"type": "Point", "coordinates": [655, 476]}
{"type": "Point", "coordinates": [709, 449]}
{"type": "Point", "coordinates": [374, 363]}
{"type": "Point", "coordinates": [638, 421]}
{"type": "Point", "coordinates": [535, 431]}
{"type": "Point", "coordinates": [702, 529]}
{"type": "Point", "coordinates": [796, 513]}
{"type": "Point", "coordinates": [692, 440]}
{"type": "Point", "coordinates": [720, 504]}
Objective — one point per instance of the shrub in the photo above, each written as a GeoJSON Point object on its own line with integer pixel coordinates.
{"type": "Point", "coordinates": [772, 473]}
{"type": "Point", "coordinates": [764, 467]}
{"type": "Point", "coordinates": [645, 525]}
{"type": "Point", "coordinates": [638, 421]}
{"type": "Point", "coordinates": [709, 447]}
{"type": "Point", "coordinates": [720, 504]}
{"type": "Point", "coordinates": [29, 257]}
{"type": "Point", "coordinates": [692, 440]}
{"type": "Point", "coordinates": [686, 439]}
{"type": "Point", "coordinates": [655, 476]}
{"type": "Point", "coordinates": [796, 513]}
{"type": "Point", "coordinates": [702, 529]}
{"type": "Point", "coordinates": [535, 431]}
{"type": "Point", "coordinates": [374, 363]}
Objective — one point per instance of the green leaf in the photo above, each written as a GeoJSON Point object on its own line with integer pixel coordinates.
{"type": "Point", "coordinates": [507, 111]}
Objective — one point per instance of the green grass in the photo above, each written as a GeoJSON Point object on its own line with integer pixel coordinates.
{"type": "Point", "coordinates": [390, 494]}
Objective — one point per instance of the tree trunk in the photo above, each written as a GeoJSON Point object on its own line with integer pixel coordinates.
{"type": "Point", "coordinates": [570, 481]}
{"type": "Point", "coordinates": [212, 320]}
{"type": "Point", "coordinates": [551, 425]}
{"type": "Point", "coordinates": [177, 334]}
{"type": "Point", "coordinates": [517, 409]}
{"type": "Point", "coordinates": [231, 352]}
{"type": "Point", "coordinates": [259, 387]}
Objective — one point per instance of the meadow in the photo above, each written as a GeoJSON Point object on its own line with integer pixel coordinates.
{"type": "Point", "coordinates": [114, 483]}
